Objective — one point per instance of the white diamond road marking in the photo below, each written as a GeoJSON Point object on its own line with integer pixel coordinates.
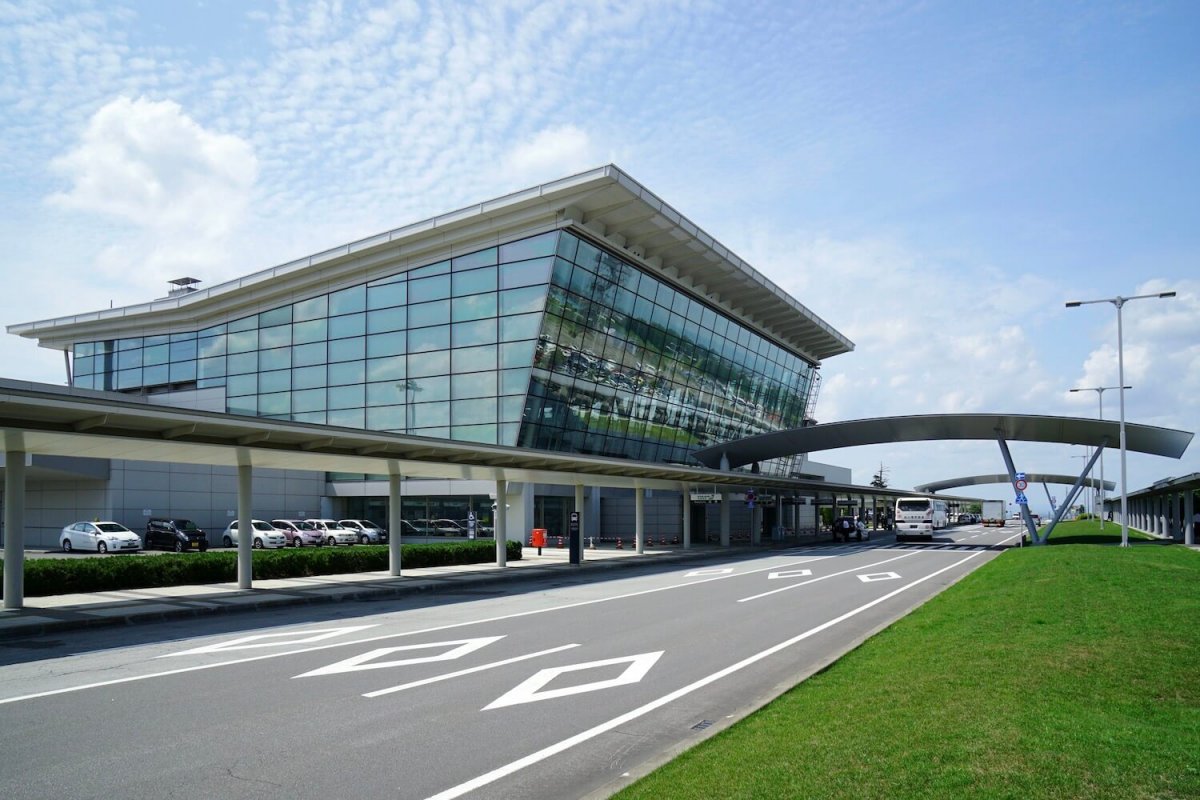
{"type": "Point", "coordinates": [528, 690]}
{"type": "Point", "coordinates": [879, 576]}
{"type": "Point", "coordinates": [367, 661]}
{"type": "Point", "coordinates": [697, 572]}
{"type": "Point", "coordinates": [790, 573]}
{"type": "Point", "coordinates": [276, 640]}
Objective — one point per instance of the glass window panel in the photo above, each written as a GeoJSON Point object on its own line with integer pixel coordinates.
{"type": "Point", "coordinates": [313, 417]}
{"type": "Point", "coordinates": [347, 396]}
{"type": "Point", "coordinates": [476, 306]}
{"type": "Point", "coordinates": [213, 346]}
{"type": "Point", "coordinates": [484, 434]}
{"type": "Point", "coordinates": [128, 359]}
{"type": "Point", "coordinates": [509, 433]}
{"type": "Point", "coordinates": [348, 325]}
{"type": "Point", "coordinates": [480, 258]}
{"type": "Point", "coordinates": [522, 326]}
{"type": "Point", "coordinates": [212, 367]}
{"type": "Point", "coordinates": [308, 400]}
{"type": "Point", "coordinates": [129, 378]}
{"type": "Point", "coordinates": [241, 384]}
{"type": "Point", "coordinates": [473, 412]}
{"type": "Point", "coordinates": [388, 295]}
{"type": "Point", "coordinates": [386, 418]}
{"type": "Point", "coordinates": [244, 324]}
{"type": "Point", "coordinates": [386, 344]}
{"type": "Point", "coordinates": [521, 301]}
{"type": "Point", "coordinates": [183, 372]}
{"type": "Point", "coordinates": [278, 381]}
{"type": "Point", "coordinates": [386, 393]}
{"type": "Point", "coordinates": [427, 415]}
{"type": "Point", "coordinates": [436, 313]}
{"type": "Point", "coordinates": [425, 364]}
{"type": "Point", "coordinates": [425, 289]}
{"type": "Point", "coordinates": [82, 366]}
{"type": "Point", "coordinates": [82, 381]}
{"type": "Point", "coordinates": [347, 349]}
{"type": "Point", "coordinates": [243, 341]}
{"type": "Point", "coordinates": [155, 376]}
{"type": "Point", "coordinates": [316, 330]}
{"type": "Point", "coordinates": [276, 403]}
{"type": "Point", "coordinates": [533, 247]}
{"type": "Point", "coordinates": [279, 358]}
{"type": "Point", "coordinates": [588, 255]}
{"type": "Point", "coordinates": [208, 383]}
{"type": "Point", "coordinates": [582, 282]}
{"type": "Point", "coordinates": [129, 344]}
{"type": "Point", "coordinates": [155, 341]}
{"type": "Point", "coordinates": [386, 368]}
{"type": "Point", "coordinates": [347, 372]}
{"type": "Point", "coordinates": [526, 273]}
{"type": "Point", "coordinates": [473, 359]}
{"type": "Point", "coordinates": [387, 319]}
{"type": "Point", "coordinates": [435, 389]}
{"type": "Point", "coordinates": [516, 354]}
{"type": "Point", "coordinates": [313, 309]}
{"type": "Point", "coordinates": [242, 405]}
{"type": "Point", "coordinates": [473, 384]}
{"type": "Point", "coordinates": [440, 268]}
{"type": "Point", "coordinates": [567, 245]}
{"type": "Point", "coordinates": [514, 381]}
{"type": "Point", "coordinates": [275, 317]}
{"type": "Point", "coordinates": [242, 363]}
{"type": "Point", "coordinates": [561, 275]}
{"type": "Point", "coordinates": [474, 281]}
{"type": "Point", "coordinates": [472, 333]}
{"type": "Point", "coordinates": [348, 301]}
{"type": "Point", "coordinates": [215, 330]}
{"type": "Point", "coordinates": [512, 408]}
{"type": "Point", "coordinates": [278, 336]}
{"type": "Point", "coordinates": [85, 349]}
{"type": "Point", "coordinates": [308, 377]}
{"type": "Point", "coordinates": [306, 355]}
{"type": "Point", "coordinates": [347, 418]}
{"type": "Point", "coordinates": [423, 340]}
{"type": "Point", "coordinates": [183, 350]}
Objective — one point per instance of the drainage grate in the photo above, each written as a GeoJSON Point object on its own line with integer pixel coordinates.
{"type": "Point", "coordinates": [702, 724]}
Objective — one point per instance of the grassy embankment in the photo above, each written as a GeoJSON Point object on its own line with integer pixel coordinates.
{"type": "Point", "coordinates": [1056, 672]}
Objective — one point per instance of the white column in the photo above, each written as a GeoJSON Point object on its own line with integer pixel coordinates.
{"type": "Point", "coordinates": [14, 527]}
{"type": "Point", "coordinates": [395, 517]}
{"type": "Point", "coordinates": [639, 519]}
{"type": "Point", "coordinates": [687, 517]}
{"type": "Point", "coordinates": [582, 521]}
{"type": "Point", "coordinates": [756, 524]}
{"type": "Point", "coordinates": [1189, 510]}
{"type": "Point", "coordinates": [501, 523]}
{"type": "Point", "coordinates": [725, 518]}
{"type": "Point", "coordinates": [245, 551]}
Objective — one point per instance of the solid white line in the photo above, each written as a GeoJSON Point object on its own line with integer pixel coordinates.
{"type": "Point", "coordinates": [833, 575]}
{"type": "Point", "coordinates": [368, 640]}
{"type": "Point", "coordinates": [604, 727]}
{"type": "Point", "coordinates": [461, 672]}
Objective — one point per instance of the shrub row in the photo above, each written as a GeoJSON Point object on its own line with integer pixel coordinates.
{"type": "Point", "coordinates": [47, 576]}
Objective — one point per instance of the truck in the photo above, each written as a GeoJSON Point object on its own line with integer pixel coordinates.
{"type": "Point", "coordinates": [993, 513]}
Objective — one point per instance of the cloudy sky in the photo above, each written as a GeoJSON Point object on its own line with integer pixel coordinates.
{"type": "Point", "coordinates": [934, 178]}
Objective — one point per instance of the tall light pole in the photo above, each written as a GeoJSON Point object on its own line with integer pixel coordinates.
{"type": "Point", "coordinates": [1100, 390]}
{"type": "Point", "coordinates": [1119, 301]}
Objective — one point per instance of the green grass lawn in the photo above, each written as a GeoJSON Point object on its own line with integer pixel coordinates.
{"type": "Point", "coordinates": [1055, 672]}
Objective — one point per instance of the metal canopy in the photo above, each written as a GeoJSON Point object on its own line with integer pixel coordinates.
{"type": "Point", "coordinates": [931, 427]}
{"type": "Point", "coordinates": [1032, 477]}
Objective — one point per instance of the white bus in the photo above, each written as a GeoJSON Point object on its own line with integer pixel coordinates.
{"type": "Point", "coordinates": [920, 516]}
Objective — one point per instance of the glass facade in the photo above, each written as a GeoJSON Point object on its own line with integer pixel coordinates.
{"type": "Point", "coordinates": [547, 342]}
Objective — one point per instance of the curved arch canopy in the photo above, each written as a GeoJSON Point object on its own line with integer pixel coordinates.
{"type": "Point", "coordinates": [1032, 477]}
{"type": "Point", "coordinates": [932, 427]}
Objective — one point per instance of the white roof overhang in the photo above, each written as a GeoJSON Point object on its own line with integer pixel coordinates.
{"type": "Point", "coordinates": [1031, 477]}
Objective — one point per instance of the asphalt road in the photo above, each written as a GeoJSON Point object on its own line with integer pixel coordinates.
{"type": "Point", "coordinates": [554, 689]}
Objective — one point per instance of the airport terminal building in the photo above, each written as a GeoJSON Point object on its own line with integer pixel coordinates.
{"type": "Point", "coordinates": [582, 316]}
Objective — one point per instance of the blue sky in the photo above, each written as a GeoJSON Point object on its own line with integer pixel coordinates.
{"type": "Point", "coordinates": [933, 178]}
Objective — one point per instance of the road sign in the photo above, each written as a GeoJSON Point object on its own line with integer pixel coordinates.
{"type": "Point", "coordinates": [1021, 485]}
{"type": "Point", "coordinates": [1020, 476]}
{"type": "Point", "coordinates": [1022, 500]}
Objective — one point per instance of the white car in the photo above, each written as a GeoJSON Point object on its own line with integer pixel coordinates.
{"type": "Point", "coordinates": [99, 537]}
{"type": "Point", "coordinates": [265, 535]}
{"type": "Point", "coordinates": [368, 532]}
{"type": "Point", "coordinates": [333, 532]}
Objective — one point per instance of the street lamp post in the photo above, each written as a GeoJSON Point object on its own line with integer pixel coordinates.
{"type": "Point", "coordinates": [1100, 390]}
{"type": "Point", "coordinates": [1119, 301]}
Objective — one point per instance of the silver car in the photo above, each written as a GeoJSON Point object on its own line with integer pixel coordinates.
{"type": "Point", "coordinates": [368, 532]}
{"type": "Point", "coordinates": [99, 537]}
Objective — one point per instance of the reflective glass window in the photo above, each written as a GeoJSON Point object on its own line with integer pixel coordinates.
{"type": "Point", "coordinates": [348, 325]}
{"type": "Point", "coordinates": [241, 384]}
{"type": "Point", "coordinates": [516, 354]}
{"type": "Point", "coordinates": [521, 301]}
{"type": "Point", "coordinates": [279, 358]}
{"type": "Point", "coordinates": [567, 245]}
{"type": "Point", "coordinates": [472, 333]}
{"type": "Point", "coordinates": [347, 396]}
{"type": "Point", "coordinates": [428, 415]}
{"type": "Point", "coordinates": [386, 418]}
{"type": "Point", "coordinates": [526, 273]}
{"type": "Point", "coordinates": [561, 275]}
{"type": "Point", "coordinates": [511, 408]}
{"type": "Point", "coordinates": [277, 336]}
{"type": "Point", "coordinates": [484, 434]}
{"type": "Point", "coordinates": [472, 359]}
{"type": "Point", "coordinates": [247, 405]}
{"type": "Point", "coordinates": [425, 289]}
{"type": "Point", "coordinates": [316, 330]}
{"type": "Point", "coordinates": [278, 381]}
{"type": "Point", "coordinates": [244, 324]}
{"type": "Point", "coordinates": [473, 412]}
{"type": "Point", "coordinates": [386, 368]}
{"type": "Point", "coordinates": [215, 330]}
{"type": "Point", "coordinates": [183, 350]}
{"type": "Point", "coordinates": [347, 349]}
{"type": "Point", "coordinates": [308, 377]}
{"type": "Point", "coordinates": [155, 376]}
{"type": "Point", "coordinates": [347, 418]}
{"type": "Point", "coordinates": [431, 390]}
{"type": "Point", "coordinates": [388, 295]}
{"type": "Point", "coordinates": [423, 340]}
{"type": "Point", "coordinates": [348, 301]}
{"type": "Point", "coordinates": [424, 364]}
{"type": "Point", "coordinates": [472, 384]}
{"type": "Point", "coordinates": [313, 417]}
{"type": "Point", "coordinates": [212, 346]}
{"type": "Point", "coordinates": [588, 255]}
{"type": "Point", "coordinates": [156, 354]}
{"type": "Point", "coordinates": [308, 400]}
{"type": "Point", "coordinates": [531, 247]}
{"type": "Point", "coordinates": [440, 268]}
{"type": "Point", "coordinates": [386, 393]}
{"type": "Point", "coordinates": [128, 359]}
{"type": "Point", "coordinates": [82, 366]}
{"type": "Point", "coordinates": [306, 355]}
{"type": "Point", "coordinates": [347, 372]}
{"type": "Point", "coordinates": [275, 317]}
{"type": "Point", "coordinates": [514, 381]}
{"type": "Point", "coordinates": [386, 344]}
{"type": "Point", "coordinates": [476, 306]}
{"type": "Point", "coordinates": [85, 349]}
{"type": "Point", "coordinates": [306, 310]}
{"type": "Point", "coordinates": [521, 326]}
{"type": "Point", "coordinates": [243, 341]}
{"type": "Point", "coordinates": [275, 404]}
{"type": "Point", "coordinates": [387, 319]}
{"type": "Point", "coordinates": [183, 371]}
{"type": "Point", "coordinates": [436, 313]}
{"type": "Point", "coordinates": [130, 343]}
{"type": "Point", "coordinates": [480, 258]}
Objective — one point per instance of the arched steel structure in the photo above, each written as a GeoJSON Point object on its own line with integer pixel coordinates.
{"type": "Point", "coordinates": [1032, 477]}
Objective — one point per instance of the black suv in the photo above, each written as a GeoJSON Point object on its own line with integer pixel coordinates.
{"type": "Point", "coordinates": [174, 534]}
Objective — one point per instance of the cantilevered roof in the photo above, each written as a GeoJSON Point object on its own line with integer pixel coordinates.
{"type": "Point", "coordinates": [1185, 483]}
{"type": "Point", "coordinates": [604, 204]}
{"type": "Point", "coordinates": [929, 427]}
{"type": "Point", "coordinates": [1032, 477]}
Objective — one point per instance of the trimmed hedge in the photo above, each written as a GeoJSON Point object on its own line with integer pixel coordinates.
{"type": "Point", "coordinates": [47, 576]}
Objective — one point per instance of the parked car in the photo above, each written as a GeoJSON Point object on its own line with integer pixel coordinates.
{"type": "Point", "coordinates": [420, 529]}
{"type": "Point", "coordinates": [99, 537]}
{"type": "Point", "coordinates": [299, 533]}
{"type": "Point", "coordinates": [368, 532]}
{"type": "Point", "coordinates": [333, 532]}
{"type": "Point", "coordinates": [964, 519]}
{"type": "Point", "coordinates": [174, 534]}
{"type": "Point", "coordinates": [265, 536]}
{"type": "Point", "coordinates": [447, 527]}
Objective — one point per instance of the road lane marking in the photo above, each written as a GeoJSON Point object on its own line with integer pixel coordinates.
{"type": "Point", "coordinates": [530, 690]}
{"type": "Point", "coordinates": [468, 671]}
{"type": "Point", "coordinates": [365, 661]}
{"type": "Point", "coordinates": [880, 576]}
{"type": "Point", "coordinates": [253, 642]}
{"type": "Point", "coordinates": [715, 571]}
{"type": "Point", "coordinates": [906, 554]}
{"type": "Point", "coordinates": [653, 705]}
{"type": "Point", "coordinates": [791, 573]}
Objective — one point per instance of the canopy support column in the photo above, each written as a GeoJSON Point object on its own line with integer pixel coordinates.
{"type": "Point", "coordinates": [395, 516]}
{"type": "Point", "coordinates": [14, 522]}
{"type": "Point", "coordinates": [1012, 476]}
{"type": "Point", "coordinates": [639, 519]}
{"type": "Point", "coordinates": [687, 517]}
{"type": "Point", "coordinates": [1071, 495]}
{"type": "Point", "coordinates": [245, 504]}
{"type": "Point", "coordinates": [501, 532]}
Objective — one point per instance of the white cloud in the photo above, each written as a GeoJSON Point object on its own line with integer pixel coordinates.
{"type": "Point", "coordinates": [551, 153]}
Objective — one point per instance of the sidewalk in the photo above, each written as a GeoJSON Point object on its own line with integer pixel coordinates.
{"type": "Point", "coordinates": [42, 615]}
